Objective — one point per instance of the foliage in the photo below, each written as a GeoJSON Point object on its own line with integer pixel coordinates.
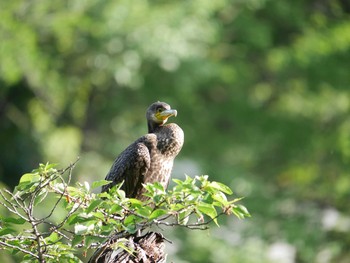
{"type": "Point", "coordinates": [91, 218]}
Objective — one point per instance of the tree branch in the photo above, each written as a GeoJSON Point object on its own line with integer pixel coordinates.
{"type": "Point", "coordinates": [20, 249]}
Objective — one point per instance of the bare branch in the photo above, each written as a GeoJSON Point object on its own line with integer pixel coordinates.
{"type": "Point", "coordinates": [70, 167]}
{"type": "Point", "coordinates": [20, 249]}
{"type": "Point", "coordinates": [62, 194]}
{"type": "Point", "coordinates": [13, 208]}
{"type": "Point", "coordinates": [19, 201]}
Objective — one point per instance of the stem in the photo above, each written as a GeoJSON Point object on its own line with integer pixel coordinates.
{"type": "Point", "coordinates": [20, 249]}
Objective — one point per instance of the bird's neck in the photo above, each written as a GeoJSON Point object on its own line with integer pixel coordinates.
{"type": "Point", "coordinates": [153, 127]}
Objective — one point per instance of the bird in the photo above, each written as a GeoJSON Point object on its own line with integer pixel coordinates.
{"type": "Point", "coordinates": [150, 158]}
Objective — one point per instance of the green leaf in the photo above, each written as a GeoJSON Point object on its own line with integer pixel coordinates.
{"type": "Point", "coordinates": [207, 209]}
{"type": "Point", "coordinates": [221, 187]}
{"type": "Point", "coordinates": [177, 181]}
{"type": "Point", "coordinates": [77, 239]}
{"type": "Point", "coordinates": [220, 197]}
{"type": "Point", "coordinates": [27, 181]}
{"type": "Point", "coordinates": [81, 218]}
{"type": "Point", "coordinates": [6, 231]}
{"type": "Point", "coordinates": [99, 183]}
{"type": "Point", "coordinates": [158, 198]}
{"type": "Point", "coordinates": [158, 186]}
{"type": "Point", "coordinates": [93, 205]}
{"type": "Point", "coordinates": [17, 221]}
{"type": "Point", "coordinates": [28, 178]}
{"type": "Point", "coordinates": [240, 211]}
{"type": "Point", "coordinates": [115, 208]}
{"type": "Point", "coordinates": [235, 200]}
{"type": "Point", "coordinates": [121, 194]}
{"type": "Point", "coordinates": [176, 207]}
{"type": "Point", "coordinates": [50, 166]}
{"type": "Point", "coordinates": [53, 238]}
{"type": "Point", "coordinates": [130, 223]}
{"type": "Point", "coordinates": [243, 210]}
{"type": "Point", "coordinates": [149, 188]}
{"type": "Point", "coordinates": [104, 195]}
{"type": "Point", "coordinates": [143, 211]}
{"type": "Point", "coordinates": [99, 215]}
{"type": "Point", "coordinates": [72, 219]}
{"type": "Point", "coordinates": [131, 219]}
{"type": "Point", "coordinates": [202, 178]}
{"type": "Point", "coordinates": [74, 191]}
{"type": "Point", "coordinates": [208, 198]}
{"type": "Point", "coordinates": [157, 213]}
{"type": "Point", "coordinates": [27, 259]}
{"type": "Point", "coordinates": [135, 202]}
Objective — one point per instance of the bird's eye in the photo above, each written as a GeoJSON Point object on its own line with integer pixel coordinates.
{"type": "Point", "coordinates": [159, 110]}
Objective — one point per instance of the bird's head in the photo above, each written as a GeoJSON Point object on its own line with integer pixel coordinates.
{"type": "Point", "coordinates": [157, 114]}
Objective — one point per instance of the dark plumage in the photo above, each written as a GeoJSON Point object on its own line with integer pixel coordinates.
{"type": "Point", "coordinates": [150, 158]}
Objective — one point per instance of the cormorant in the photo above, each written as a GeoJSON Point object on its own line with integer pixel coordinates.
{"type": "Point", "coordinates": [150, 158]}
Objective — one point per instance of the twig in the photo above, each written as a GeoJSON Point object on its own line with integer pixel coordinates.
{"type": "Point", "coordinates": [56, 204]}
{"type": "Point", "coordinates": [13, 209]}
{"type": "Point", "coordinates": [70, 167]}
{"type": "Point", "coordinates": [19, 201]}
{"type": "Point", "coordinates": [20, 249]}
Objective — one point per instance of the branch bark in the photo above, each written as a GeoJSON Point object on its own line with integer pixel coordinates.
{"type": "Point", "coordinates": [148, 248]}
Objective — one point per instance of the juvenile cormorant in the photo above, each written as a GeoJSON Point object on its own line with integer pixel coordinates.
{"type": "Point", "coordinates": [150, 158]}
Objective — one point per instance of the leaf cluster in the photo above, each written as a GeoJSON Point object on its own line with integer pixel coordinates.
{"type": "Point", "coordinates": [90, 218]}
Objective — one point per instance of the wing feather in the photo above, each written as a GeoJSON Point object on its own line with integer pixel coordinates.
{"type": "Point", "coordinates": [131, 167]}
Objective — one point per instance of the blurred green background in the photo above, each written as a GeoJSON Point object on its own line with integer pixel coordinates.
{"type": "Point", "coordinates": [262, 89]}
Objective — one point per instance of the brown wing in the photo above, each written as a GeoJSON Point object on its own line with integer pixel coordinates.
{"type": "Point", "coordinates": [131, 167]}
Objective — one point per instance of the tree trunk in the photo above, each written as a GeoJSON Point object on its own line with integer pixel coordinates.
{"type": "Point", "coordinates": [148, 248]}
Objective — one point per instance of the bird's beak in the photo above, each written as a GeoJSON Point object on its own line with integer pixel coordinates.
{"type": "Point", "coordinates": [165, 114]}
